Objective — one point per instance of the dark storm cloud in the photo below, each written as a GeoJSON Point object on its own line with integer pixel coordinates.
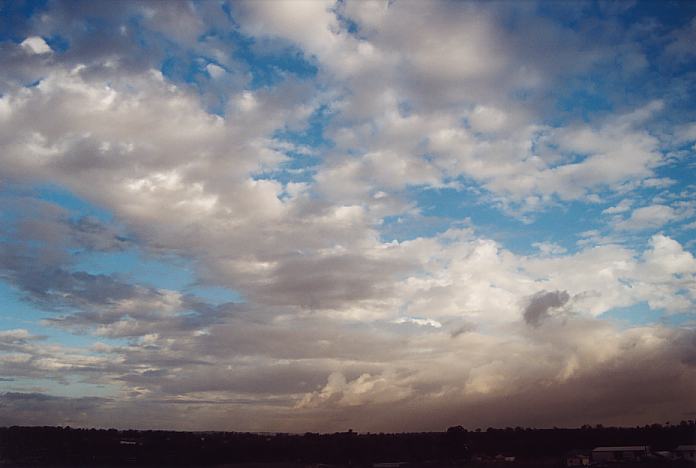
{"type": "Point", "coordinates": [539, 305]}
{"type": "Point", "coordinates": [640, 384]}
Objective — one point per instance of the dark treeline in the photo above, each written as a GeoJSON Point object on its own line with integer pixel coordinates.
{"type": "Point", "coordinates": [68, 446]}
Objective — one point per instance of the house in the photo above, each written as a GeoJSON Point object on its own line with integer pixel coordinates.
{"type": "Point", "coordinates": [577, 458]}
{"type": "Point", "coordinates": [685, 452]}
{"type": "Point", "coordinates": [620, 454]}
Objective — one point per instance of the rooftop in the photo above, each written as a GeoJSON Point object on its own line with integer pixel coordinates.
{"type": "Point", "coordinates": [628, 448]}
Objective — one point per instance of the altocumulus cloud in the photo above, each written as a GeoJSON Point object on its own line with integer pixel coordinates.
{"type": "Point", "coordinates": [419, 215]}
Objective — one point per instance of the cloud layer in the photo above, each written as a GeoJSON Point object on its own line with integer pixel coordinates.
{"type": "Point", "coordinates": [269, 149]}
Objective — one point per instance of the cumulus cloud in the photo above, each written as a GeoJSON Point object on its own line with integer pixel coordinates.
{"type": "Point", "coordinates": [648, 217]}
{"type": "Point", "coordinates": [623, 206]}
{"type": "Point", "coordinates": [35, 45]}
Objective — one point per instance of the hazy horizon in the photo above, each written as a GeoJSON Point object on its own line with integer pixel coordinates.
{"type": "Point", "coordinates": [292, 216]}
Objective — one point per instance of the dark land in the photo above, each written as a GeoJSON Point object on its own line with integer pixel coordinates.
{"type": "Point", "coordinates": [511, 447]}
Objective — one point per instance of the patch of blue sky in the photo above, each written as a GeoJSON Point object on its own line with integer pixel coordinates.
{"type": "Point", "coordinates": [611, 88]}
{"type": "Point", "coordinates": [52, 194]}
{"type": "Point", "coordinates": [672, 14]}
{"type": "Point", "coordinates": [580, 102]}
{"type": "Point", "coordinates": [249, 66]}
{"type": "Point", "coordinates": [57, 43]}
{"type": "Point", "coordinates": [297, 168]}
{"type": "Point", "coordinates": [679, 195]}
{"type": "Point", "coordinates": [14, 311]}
{"type": "Point", "coordinates": [308, 145]}
{"type": "Point", "coordinates": [132, 265]}
{"type": "Point", "coordinates": [70, 201]}
{"type": "Point", "coordinates": [193, 71]}
{"type": "Point", "coordinates": [683, 158]}
{"type": "Point", "coordinates": [573, 14]}
{"type": "Point", "coordinates": [562, 224]}
{"type": "Point", "coordinates": [13, 18]}
{"type": "Point", "coordinates": [641, 314]}
{"type": "Point", "coordinates": [312, 135]}
{"type": "Point", "coordinates": [165, 272]}
{"type": "Point", "coordinates": [442, 208]}
{"type": "Point", "coordinates": [407, 227]}
{"type": "Point", "coordinates": [624, 83]}
{"type": "Point", "coordinates": [187, 69]}
{"type": "Point", "coordinates": [686, 237]}
{"type": "Point", "coordinates": [270, 62]}
{"type": "Point", "coordinates": [449, 206]}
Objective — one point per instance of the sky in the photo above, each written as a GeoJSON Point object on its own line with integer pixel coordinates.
{"type": "Point", "coordinates": [294, 216]}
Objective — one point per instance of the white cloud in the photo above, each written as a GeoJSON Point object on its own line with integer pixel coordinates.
{"type": "Point", "coordinates": [486, 119]}
{"type": "Point", "coordinates": [36, 45]}
{"type": "Point", "coordinates": [425, 322]}
{"type": "Point", "coordinates": [648, 217]}
{"type": "Point", "coordinates": [623, 206]}
{"type": "Point", "coordinates": [549, 248]}
{"type": "Point", "coordinates": [215, 71]}
{"type": "Point", "coordinates": [686, 133]}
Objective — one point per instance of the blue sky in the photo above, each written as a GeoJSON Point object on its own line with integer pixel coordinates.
{"type": "Point", "coordinates": [315, 214]}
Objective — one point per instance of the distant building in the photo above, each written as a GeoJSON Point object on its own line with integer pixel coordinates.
{"type": "Point", "coordinates": [663, 455]}
{"type": "Point", "coordinates": [620, 454]}
{"type": "Point", "coordinates": [578, 458]}
{"type": "Point", "coordinates": [685, 452]}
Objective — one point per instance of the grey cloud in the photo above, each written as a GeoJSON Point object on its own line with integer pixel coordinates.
{"type": "Point", "coordinates": [43, 360]}
{"type": "Point", "coordinates": [16, 340]}
{"type": "Point", "coordinates": [586, 373]}
{"type": "Point", "coordinates": [33, 258]}
{"type": "Point", "coordinates": [537, 310]}
{"type": "Point", "coordinates": [462, 329]}
{"type": "Point", "coordinates": [607, 392]}
{"type": "Point", "coordinates": [21, 68]}
{"type": "Point", "coordinates": [54, 287]}
{"type": "Point", "coordinates": [329, 281]}
{"type": "Point", "coordinates": [92, 234]}
{"type": "Point", "coordinates": [255, 380]}
{"type": "Point", "coordinates": [40, 409]}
